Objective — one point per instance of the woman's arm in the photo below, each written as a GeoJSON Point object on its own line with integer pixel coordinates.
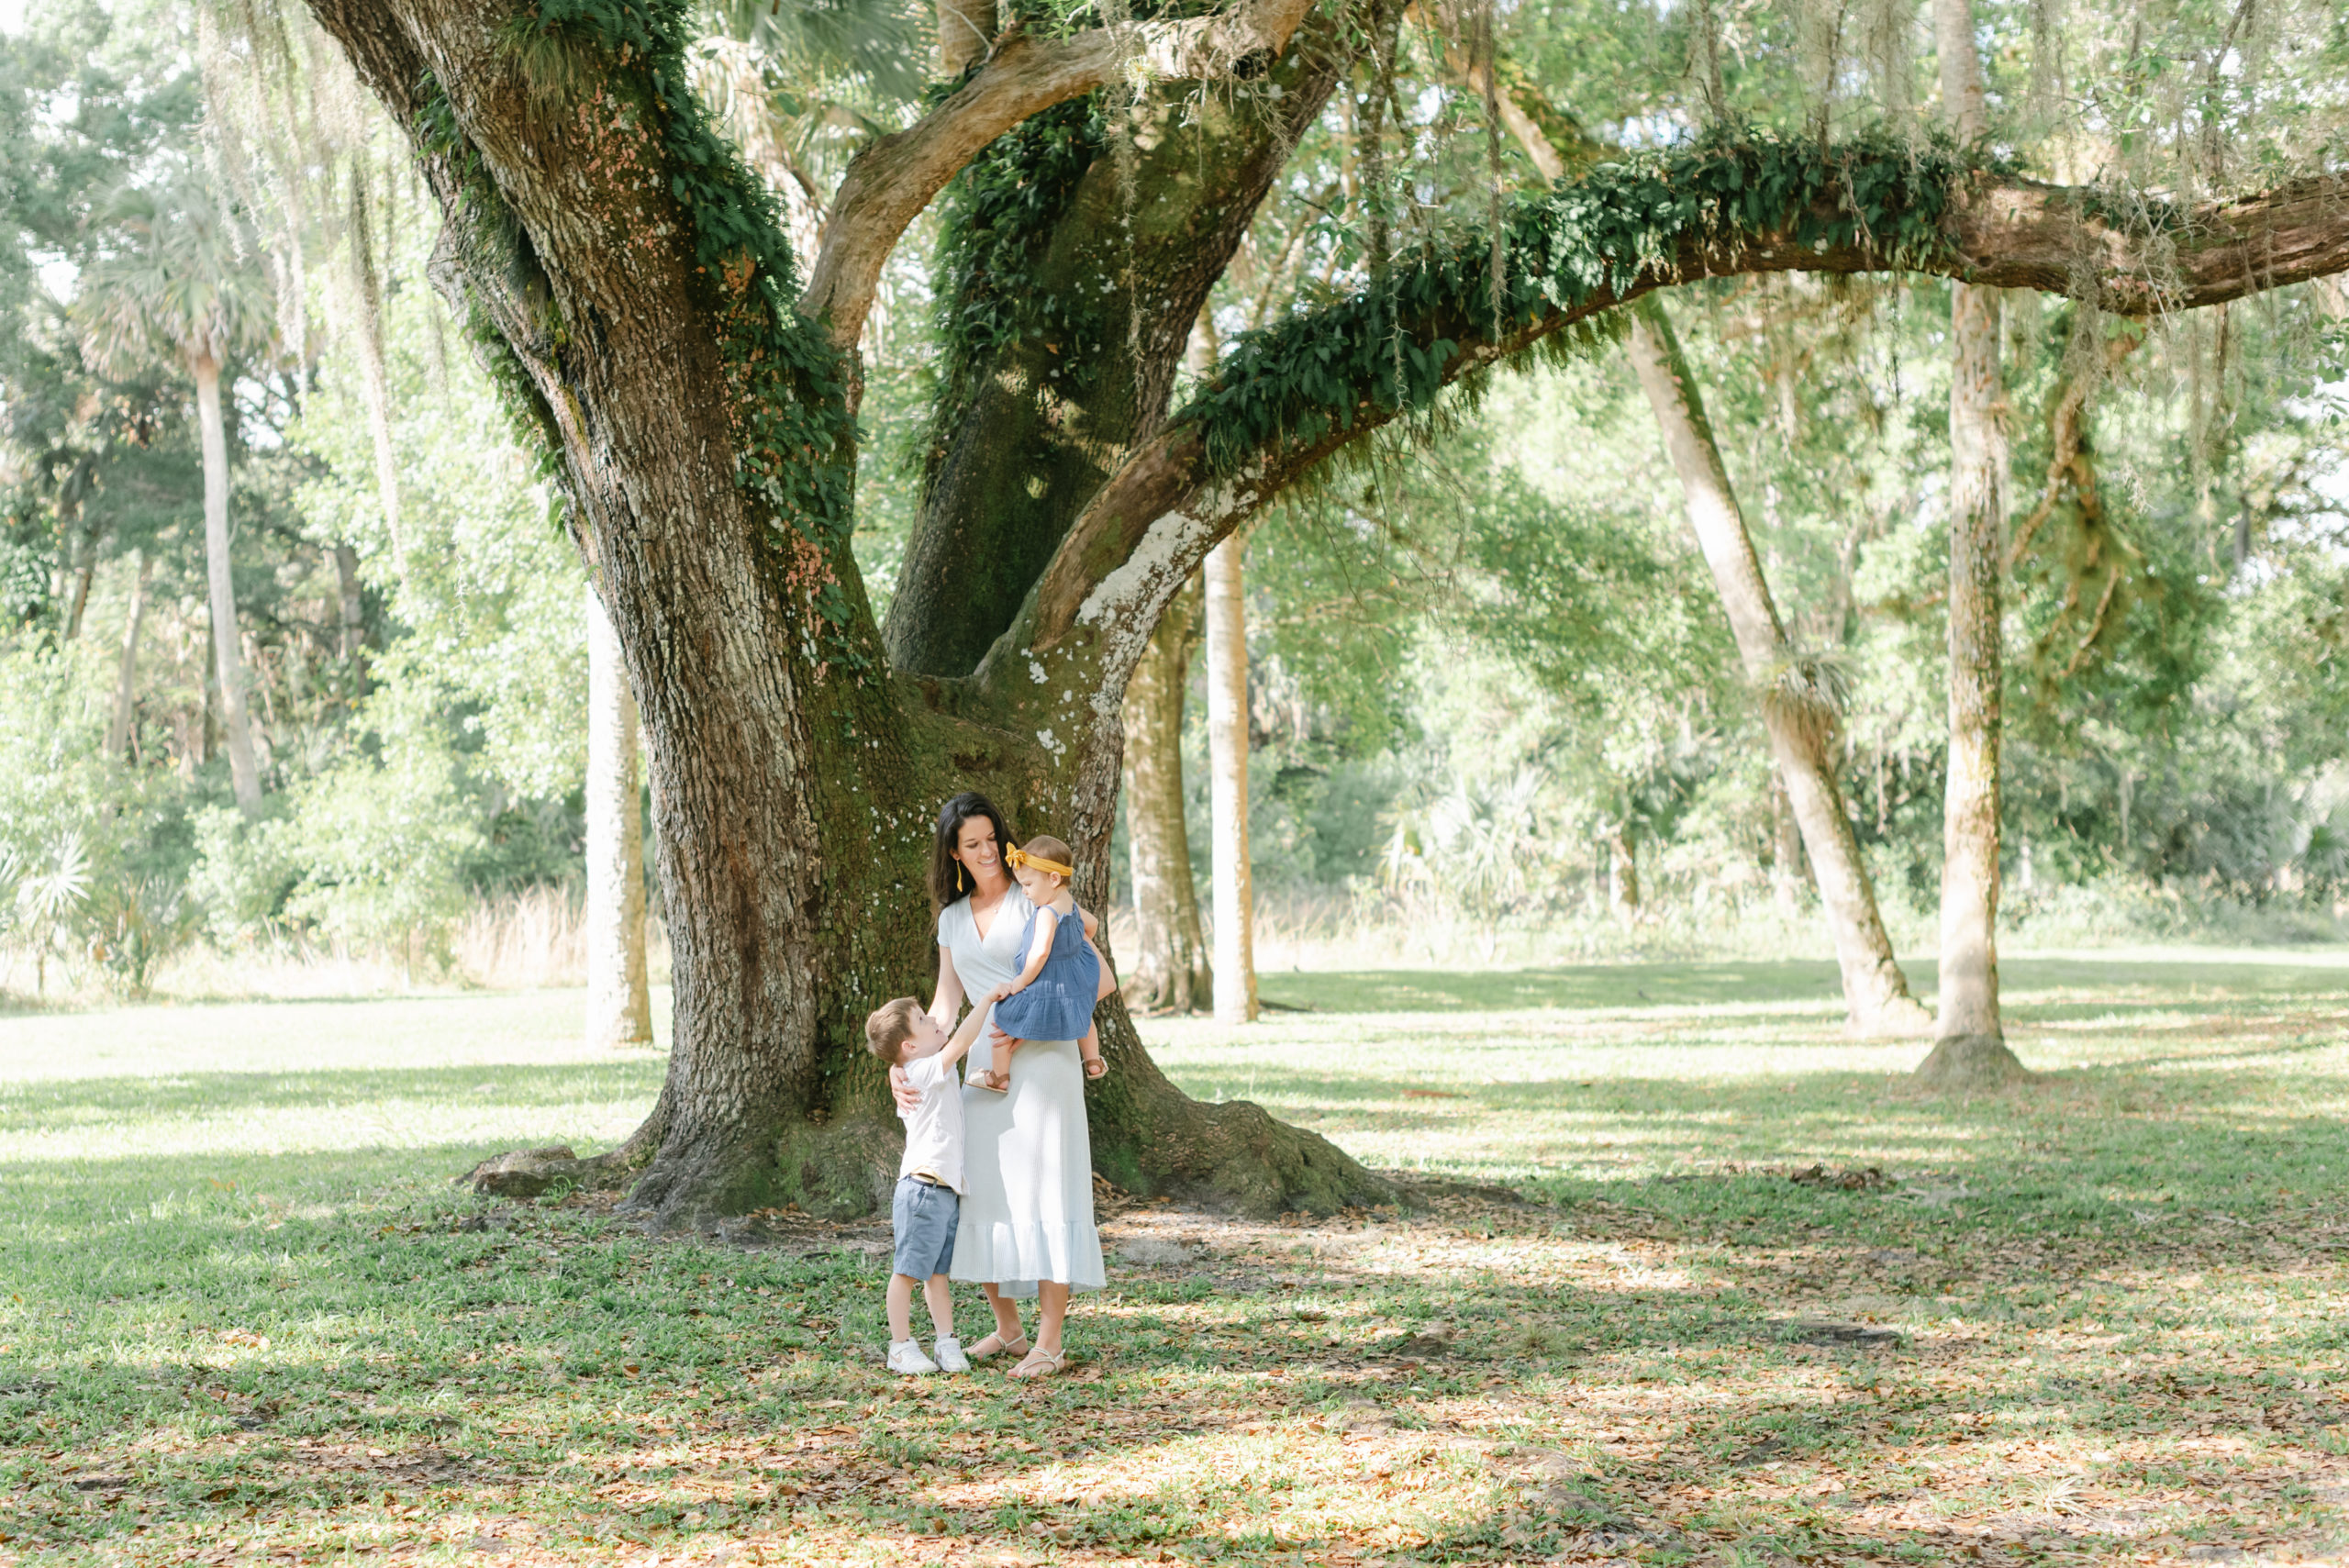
{"type": "Point", "coordinates": [946, 1003]}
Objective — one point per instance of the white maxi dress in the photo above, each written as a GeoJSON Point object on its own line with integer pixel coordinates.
{"type": "Point", "coordinates": [1028, 1160]}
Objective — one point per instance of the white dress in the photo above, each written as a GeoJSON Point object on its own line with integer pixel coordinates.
{"type": "Point", "coordinates": [1027, 1159]}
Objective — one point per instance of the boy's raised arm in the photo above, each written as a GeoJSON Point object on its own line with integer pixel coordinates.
{"type": "Point", "coordinates": [959, 1045]}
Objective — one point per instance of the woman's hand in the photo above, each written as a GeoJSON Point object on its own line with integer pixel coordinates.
{"type": "Point", "coordinates": [1000, 1041]}
{"type": "Point", "coordinates": [908, 1097]}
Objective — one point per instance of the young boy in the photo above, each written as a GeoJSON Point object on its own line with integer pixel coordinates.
{"type": "Point", "coordinates": [928, 1205]}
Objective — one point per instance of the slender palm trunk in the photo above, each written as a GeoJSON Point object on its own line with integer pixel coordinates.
{"type": "Point", "coordinates": [125, 687]}
{"type": "Point", "coordinates": [229, 657]}
{"type": "Point", "coordinates": [1623, 873]}
{"type": "Point", "coordinates": [88, 550]}
{"type": "Point", "coordinates": [1170, 969]}
{"type": "Point", "coordinates": [354, 602]}
{"type": "Point", "coordinates": [375, 376]}
{"type": "Point", "coordinates": [1970, 1039]}
{"type": "Point", "coordinates": [1235, 917]}
{"type": "Point", "coordinates": [619, 1009]}
{"type": "Point", "coordinates": [1801, 735]}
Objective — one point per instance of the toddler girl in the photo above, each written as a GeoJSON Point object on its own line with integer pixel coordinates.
{"type": "Point", "coordinates": [1052, 997]}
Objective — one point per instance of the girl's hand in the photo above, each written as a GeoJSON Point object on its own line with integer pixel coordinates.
{"type": "Point", "coordinates": [908, 1097]}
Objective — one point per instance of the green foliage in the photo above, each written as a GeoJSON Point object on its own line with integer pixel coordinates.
{"type": "Point", "coordinates": [136, 925]}
{"type": "Point", "coordinates": [1323, 371]}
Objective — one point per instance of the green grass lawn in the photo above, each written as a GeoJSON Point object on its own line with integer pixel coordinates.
{"type": "Point", "coordinates": [245, 1315]}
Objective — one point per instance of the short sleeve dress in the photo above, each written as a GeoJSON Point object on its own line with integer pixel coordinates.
{"type": "Point", "coordinates": [1027, 1159]}
{"type": "Point", "coordinates": [1059, 1001]}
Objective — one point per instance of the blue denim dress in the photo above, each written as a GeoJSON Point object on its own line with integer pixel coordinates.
{"type": "Point", "coordinates": [1059, 1005]}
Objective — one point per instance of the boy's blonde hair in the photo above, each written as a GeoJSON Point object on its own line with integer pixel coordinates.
{"type": "Point", "coordinates": [1044, 846]}
{"type": "Point", "coordinates": [891, 1025]}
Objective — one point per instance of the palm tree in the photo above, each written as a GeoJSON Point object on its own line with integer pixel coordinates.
{"type": "Point", "coordinates": [179, 280]}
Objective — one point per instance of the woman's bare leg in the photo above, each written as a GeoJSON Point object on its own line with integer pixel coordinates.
{"type": "Point", "coordinates": [1052, 1305]}
{"type": "Point", "coordinates": [1007, 1316]}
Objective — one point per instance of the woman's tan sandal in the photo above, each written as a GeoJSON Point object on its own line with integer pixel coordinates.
{"type": "Point", "coordinates": [1095, 1067]}
{"type": "Point", "coordinates": [1038, 1362]}
{"type": "Point", "coordinates": [994, 1345]}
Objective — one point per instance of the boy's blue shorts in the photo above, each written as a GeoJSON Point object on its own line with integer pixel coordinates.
{"type": "Point", "coordinates": [924, 1217]}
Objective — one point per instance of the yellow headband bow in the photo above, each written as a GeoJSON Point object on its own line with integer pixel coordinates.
{"type": "Point", "coordinates": [1019, 857]}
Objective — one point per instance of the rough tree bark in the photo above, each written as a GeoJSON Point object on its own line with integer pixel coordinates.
{"type": "Point", "coordinates": [244, 776]}
{"type": "Point", "coordinates": [1235, 902]}
{"type": "Point", "coordinates": [1970, 1045]}
{"type": "Point", "coordinates": [630, 297]}
{"type": "Point", "coordinates": [619, 1005]}
{"type": "Point", "coordinates": [1169, 971]}
{"type": "Point", "coordinates": [1800, 723]}
{"type": "Point", "coordinates": [126, 685]}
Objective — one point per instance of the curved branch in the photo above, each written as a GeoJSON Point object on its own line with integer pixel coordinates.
{"type": "Point", "coordinates": [893, 179]}
{"type": "Point", "coordinates": [1156, 520]}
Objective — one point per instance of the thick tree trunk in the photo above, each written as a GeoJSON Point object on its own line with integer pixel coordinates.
{"type": "Point", "coordinates": [126, 686]}
{"type": "Point", "coordinates": [797, 776]}
{"type": "Point", "coordinates": [619, 1004]}
{"type": "Point", "coordinates": [1800, 726]}
{"type": "Point", "coordinates": [1041, 421]}
{"type": "Point", "coordinates": [1235, 903]}
{"type": "Point", "coordinates": [227, 644]}
{"type": "Point", "coordinates": [1970, 1045]}
{"type": "Point", "coordinates": [1170, 972]}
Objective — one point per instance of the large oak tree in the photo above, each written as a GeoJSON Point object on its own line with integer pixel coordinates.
{"type": "Point", "coordinates": [626, 279]}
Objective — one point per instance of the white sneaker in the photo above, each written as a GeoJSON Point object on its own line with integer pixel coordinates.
{"type": "Point", "coordinates": [906, 1356]}
{"type": "Point", "coordinates": [949, 1352]}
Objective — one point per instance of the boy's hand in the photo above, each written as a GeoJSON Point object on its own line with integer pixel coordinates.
{"type": "Point", "coordinates": [1001, 992]}
{"type": "Point", "coordinates": [902, 1088]}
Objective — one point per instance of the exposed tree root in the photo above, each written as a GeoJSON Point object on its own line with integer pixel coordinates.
{"type": "Point", "coordinates": [1971, 1062]}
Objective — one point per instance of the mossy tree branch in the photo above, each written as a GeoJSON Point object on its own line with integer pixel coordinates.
{"type": "Point", "coordinates": [1025, 73]}
{"type": "Point", "coordinates": [1297, 394]}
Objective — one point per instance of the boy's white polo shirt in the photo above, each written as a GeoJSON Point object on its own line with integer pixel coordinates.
{"type": "Point", "coordinates": [934, 1128]}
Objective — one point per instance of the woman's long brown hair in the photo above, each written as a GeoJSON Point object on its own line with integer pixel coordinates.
{"type": "Point", "coordinates": [947, 880]}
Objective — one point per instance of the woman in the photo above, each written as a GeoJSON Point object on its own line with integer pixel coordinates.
{"type": "Point", "coordinates": [1026, 1227]}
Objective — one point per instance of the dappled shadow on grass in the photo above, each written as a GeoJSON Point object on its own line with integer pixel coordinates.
{"type": "Point", "coordinates": [1621, 1372]}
